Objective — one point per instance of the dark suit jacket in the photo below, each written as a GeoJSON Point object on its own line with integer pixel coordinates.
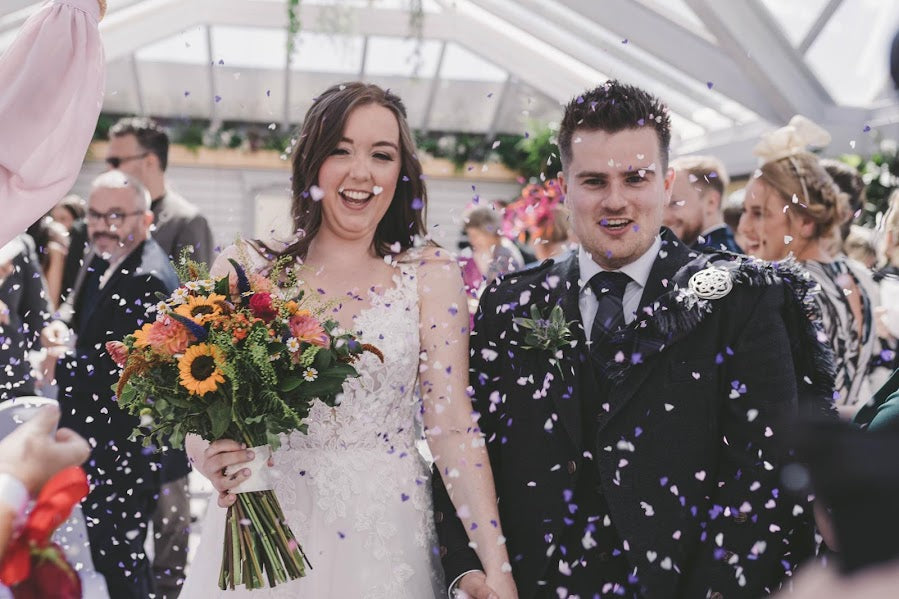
{"type": "Point", "coordinates": [721, 238]}
{"type": "Point", "coordinates": [86, 378]}
{"type": "Point", "coordinates": [687, 442]}
{"type": "Point", "coordinates": [179, 224]}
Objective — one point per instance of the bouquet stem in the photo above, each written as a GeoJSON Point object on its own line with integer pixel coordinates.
{"type": "Point", "coordinates": [259, 544]}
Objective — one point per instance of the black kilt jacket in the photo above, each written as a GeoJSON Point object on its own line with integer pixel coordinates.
{"type": "Point", "coordinates": [690, 439]}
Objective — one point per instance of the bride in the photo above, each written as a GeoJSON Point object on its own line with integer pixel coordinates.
{"type": "Point", "coordinates": [354, 489]}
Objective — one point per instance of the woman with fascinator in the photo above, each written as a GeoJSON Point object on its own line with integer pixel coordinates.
{"type": "Point", "coordinates": [791, 207]}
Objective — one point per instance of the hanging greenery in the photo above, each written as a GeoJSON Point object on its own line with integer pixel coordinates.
{"type": "Point", "coordinates": [293, 25]}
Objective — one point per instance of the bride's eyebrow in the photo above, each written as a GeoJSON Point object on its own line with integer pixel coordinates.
{"type": "Point", "coordinates": [377, 144]}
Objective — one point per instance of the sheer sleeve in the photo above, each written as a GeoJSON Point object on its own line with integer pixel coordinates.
{"type": "Point", "coordinates": [53, 76]}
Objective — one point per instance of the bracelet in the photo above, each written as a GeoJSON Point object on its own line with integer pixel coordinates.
{"type": "Point", "coordinates": [13, 493]}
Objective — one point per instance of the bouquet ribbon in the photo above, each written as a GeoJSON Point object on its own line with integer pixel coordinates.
{"type": "Point", "coordinates": [53, 506]}
{"type": "Point", "coordinates": [262, 477]}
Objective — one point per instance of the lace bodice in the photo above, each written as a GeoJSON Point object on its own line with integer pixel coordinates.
{"type": "Point", "coordinates": [379, 408]}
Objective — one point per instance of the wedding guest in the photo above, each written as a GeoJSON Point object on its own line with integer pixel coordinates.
{"type": "Point", "coordinates": [850, 182]}
{"type": "Point", "coordinates": [118, 283]}
{"type": "Point", "coordinates": [140, 148]}
{"type": "Point", "coordinates": [695, 211]}
{"type": "Point", "coordinates": [53, 75]}
{"type": "Point", "coordinates": [492, 254]}
{"type": "Point", "coordinates": [24, 311]}
{"type": "Point", "coordinates": [791, 207]}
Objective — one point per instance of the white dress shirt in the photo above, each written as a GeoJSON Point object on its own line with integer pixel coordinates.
{"type": "Point", "coordinates": [638, 271]}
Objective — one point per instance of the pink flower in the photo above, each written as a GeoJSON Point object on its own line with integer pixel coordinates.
{"type": "Point", "coordinates": [118, 352]}
{"type": "Point", "coordinates": [166, 336]}
{"type": "Point", "coordinates": [260, 284]}
{"type": "Point", "coordinates": [261, 306]}
{"type": "Point", "coordinates": [306, 327]}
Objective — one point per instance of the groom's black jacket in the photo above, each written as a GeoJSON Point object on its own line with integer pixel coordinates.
{"type": "Point", "coordinates": [689, 440]}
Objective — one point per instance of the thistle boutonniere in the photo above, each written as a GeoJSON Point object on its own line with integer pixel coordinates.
{"type": "Point", "coordinates": [551, 333]}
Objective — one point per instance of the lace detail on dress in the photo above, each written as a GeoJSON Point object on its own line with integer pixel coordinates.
{"type": "Point", "coordinates": [359, 459]}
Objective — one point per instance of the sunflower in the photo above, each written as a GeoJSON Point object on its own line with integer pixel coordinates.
{"type": "Point", "coordinates": [200, 370]}
{"type": "Point", "coordinates": [201, 309]}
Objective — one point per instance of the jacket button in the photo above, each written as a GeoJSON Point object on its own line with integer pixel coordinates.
{"type": "Point", "coordinates": [603, 557]}
{"type": "Point", "coordinates": [728, 555]}
{"type": "Point", "coordinates": [442, 551]}
{"type": "Point", "coordinates": [741, 517]}
{"type": "Point", "coordinates": [716, 595]}
{"type": "Point", "coordinates": [438, 517]}
{"type": "Point", "coordinates": [572, 467]}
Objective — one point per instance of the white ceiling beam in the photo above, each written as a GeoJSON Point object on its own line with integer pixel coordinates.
{"type": "Point", "coordinates": [141, 24]}
{"type": "Point", "coordinates": [691, 54]}
{"type": "Point", "coordinates": [571, 34]}
{"type": "Point", "coordinates": [818, 26]}
{"type": "Point", "coordinates": [764, 57]}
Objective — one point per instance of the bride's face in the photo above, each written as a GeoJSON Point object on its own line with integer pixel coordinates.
{"type": "Point", "coordinates": [359, 178]}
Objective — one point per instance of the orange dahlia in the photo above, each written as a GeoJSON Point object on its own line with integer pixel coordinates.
{"type": "Point", "coordinates": [200, 369]}
{"type": "Point", "coordinates": [166, 336]}
{"type": "Point", "coordinates": [306, 327]}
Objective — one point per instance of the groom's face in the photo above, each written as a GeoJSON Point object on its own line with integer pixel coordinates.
{"type": "Point", "coordinates": [616, 188]}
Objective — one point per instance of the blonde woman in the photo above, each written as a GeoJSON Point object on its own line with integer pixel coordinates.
{"type": "Point", "coordinates": [791, 207]}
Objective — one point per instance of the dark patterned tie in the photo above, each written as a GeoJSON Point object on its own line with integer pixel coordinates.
{"type": "Point", "coordinates": [608, 287]}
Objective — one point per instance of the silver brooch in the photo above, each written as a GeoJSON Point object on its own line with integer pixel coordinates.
{"type": "Point", "coordinates": [711, 283]}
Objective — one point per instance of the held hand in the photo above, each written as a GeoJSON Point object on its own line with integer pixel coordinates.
{"type": "Point", "coordinates": [477, 585]}
{"type": "Point", "coordinates": [219, 456]}
{"type": "Point", "coordinates": [503, 584]}
{"type": "Point", "coordinates": [4, 313]}
{"type": "Point", "coordinates": [55, 334]}
{"type": "Point", "coordinates": [34, 452]}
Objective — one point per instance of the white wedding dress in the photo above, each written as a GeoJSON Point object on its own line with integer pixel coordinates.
{"type": "Point", "coordinates": [355, 489]}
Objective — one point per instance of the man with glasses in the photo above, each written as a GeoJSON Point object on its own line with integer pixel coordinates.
{"type": "Point", "coordinates": [140, 148]}
{"type": "Point", "coordinates": [123, 272]}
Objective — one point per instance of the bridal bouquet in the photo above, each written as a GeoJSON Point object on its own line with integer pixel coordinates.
{"type": "Point", "coordinates": [236, 360]}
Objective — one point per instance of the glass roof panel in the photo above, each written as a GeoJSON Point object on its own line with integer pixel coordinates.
{"type": "Point", "coordinates": [795, 18]}
{"type": "Point", "coordinates": [393, 56]}
{"type": "Point", "coordinates": [249, 47]}
{"type": "Point", "coordinates": [679, 12]}
{"type": "Point", "coordinates": [327, 53]}
{"type": "Point", "coordinates": [459, 63]}
{"type": "Point", "coordinates": [855, 77]}
{"type": "Point", "coordinates": [188, 47]}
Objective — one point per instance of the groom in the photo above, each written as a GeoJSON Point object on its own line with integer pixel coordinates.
{"type": "Point", "coordinates": [641, 458]}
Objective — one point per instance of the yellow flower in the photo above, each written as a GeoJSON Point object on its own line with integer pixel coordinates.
{"type": "Point", "coordinates": [200, 370]}
{"type": "Point", "coordinates": [201, 309]}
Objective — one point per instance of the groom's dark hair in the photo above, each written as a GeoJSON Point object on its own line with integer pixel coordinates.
{"type": "Point", "coordinates": [614, 107]}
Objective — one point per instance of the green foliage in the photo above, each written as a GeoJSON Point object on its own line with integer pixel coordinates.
{"type": "Point", "coordinates": [880, 172]}
{"type": "Point", "coordinates": [550, 333]}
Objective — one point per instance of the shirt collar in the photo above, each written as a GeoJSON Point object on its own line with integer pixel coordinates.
{"type": "Point", "coordinates": [638, 270]}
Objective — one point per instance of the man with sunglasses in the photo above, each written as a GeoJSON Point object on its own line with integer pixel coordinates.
{"type": "Point", "coordinates": [140, 148]}
{"type": "Point", "coordinates": [122, 274]}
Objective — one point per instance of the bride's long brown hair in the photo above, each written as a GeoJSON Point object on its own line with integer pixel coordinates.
{"type": "Point", "coordinates": [321, 132]}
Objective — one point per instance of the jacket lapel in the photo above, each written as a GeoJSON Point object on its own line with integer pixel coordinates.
{"type": "Point", "coordinates": [123, 270]}
{"type": "Point", "coordinates": [562, 280]}
{"type": "Point", "coordinates": [673, 255]}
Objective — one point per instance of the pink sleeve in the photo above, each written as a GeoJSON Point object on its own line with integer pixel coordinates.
{"type": "Point", "coordinates": [52, 78]}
